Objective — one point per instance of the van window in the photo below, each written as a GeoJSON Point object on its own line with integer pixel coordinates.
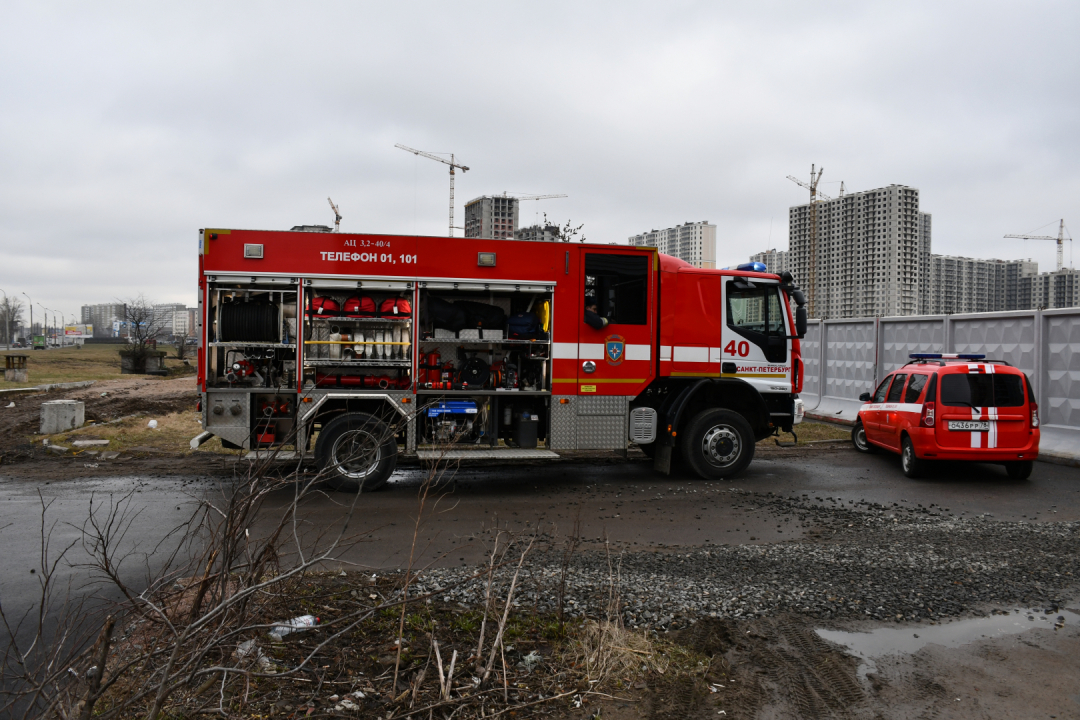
{"type": "Point", "coordinates": [879, 394]}
{"type": "Point", "coordinates": [914, 388]}
{"type": "Point", "coordinates": [987, 390]}
{"type": "Point", "coordinates": [897, 389]}
{"type": "Point", "coordinates": [757, 314]}
{"type": "Point", "coordinates": [620, 284]}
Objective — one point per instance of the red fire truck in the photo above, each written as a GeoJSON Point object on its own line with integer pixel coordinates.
{"type": "Point", "coordinates": [348, 350]}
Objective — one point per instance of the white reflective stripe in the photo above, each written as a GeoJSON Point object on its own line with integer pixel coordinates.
{"type": "Point", "coordinates": [691, 354]}
{"type": "Point", "coordinates": [716, 355]}
{"type": "Point", "coordinates": [976, 436]}
{"type": "Point", "coordinates": [665, 352]}
{"type": "Point", "coordinates": [989, 368]}
{"type": "Point", "coordinates": [894, 407]}
{"type": "Point", "coordinates": [973, 368]}
{"type": "Point", "coordinates": [638, 352]}
{"type": "Point", "coordinates": [991, 437]}
{"type": "Point", "coordinates": [564, 351]}
{"type": "Point", "coordinates": [590, 351]}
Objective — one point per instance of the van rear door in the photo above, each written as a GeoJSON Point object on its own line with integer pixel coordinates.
{"type": "Point", "coordinates": [982, 408]}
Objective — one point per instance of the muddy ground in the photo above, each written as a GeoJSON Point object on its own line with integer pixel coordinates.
{"type": "Point", "coordinates": [767, 664]}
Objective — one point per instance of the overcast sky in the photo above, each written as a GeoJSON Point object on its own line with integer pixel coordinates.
{"type": "Point", "coordinates": [124, 128]}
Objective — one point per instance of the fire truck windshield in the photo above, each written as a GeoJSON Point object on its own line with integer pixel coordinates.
{"type": "Point", "coordinates": [757, 314]}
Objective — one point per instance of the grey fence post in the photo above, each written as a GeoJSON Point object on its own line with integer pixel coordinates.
{"type": "Point", "coordinates": [1042, 382]}
{"type": "Point", "coordinates": [947, 343]}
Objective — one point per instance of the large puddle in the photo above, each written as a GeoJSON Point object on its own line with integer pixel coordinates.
{"type": "Point", "coordinates": [886, 641]}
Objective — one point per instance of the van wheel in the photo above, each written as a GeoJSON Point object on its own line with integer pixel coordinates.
{"type": "Point", "coordinates": [1019, 469]}
{"type": "Point", "coordinates": [912, 466]}
{"type": "Point", "coordinates": [858, 439]}
{"type": "Point", "coordinates": [718, 444]}
{"type": "Point", "coordinates": [357, 453]}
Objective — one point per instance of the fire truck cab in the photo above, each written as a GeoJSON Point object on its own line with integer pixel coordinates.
{"type": "Point", "coordinates": [349, 350]}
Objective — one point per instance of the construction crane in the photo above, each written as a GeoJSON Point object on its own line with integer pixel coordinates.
{"type": "Point", "coordinates": [452, 165]}
{"type": "Point", "coordinates": [812, 262]}
{"type": "Point", "coordinates": [1060, 241]}
{"type": "Point", "coordinates": [531, 197]}
{"type": "Point", "coordinates": [337, 216]}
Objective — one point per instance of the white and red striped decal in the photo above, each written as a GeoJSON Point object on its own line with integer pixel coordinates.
{"type": "Point", "coordinates": [977, 413]}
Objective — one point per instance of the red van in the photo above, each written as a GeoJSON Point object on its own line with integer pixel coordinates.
{"type": "Point", "coordinates": [952, 407]}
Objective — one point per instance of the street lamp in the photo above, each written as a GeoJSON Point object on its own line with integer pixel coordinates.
{"type": "Point", "coordinates": [31, 320]}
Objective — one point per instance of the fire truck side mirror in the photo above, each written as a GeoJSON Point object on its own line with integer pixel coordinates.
{"type": "Point", "coordinates": [800, 321]}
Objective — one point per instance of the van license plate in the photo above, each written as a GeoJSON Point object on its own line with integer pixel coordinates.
{"type": "Point", "coordinates": [970, 425]}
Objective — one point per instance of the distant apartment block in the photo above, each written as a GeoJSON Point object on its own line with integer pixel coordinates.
{"type": "Point", "coordinates": [693, 242]}
{"type": "Point", "coordinates": [491, 217]}
{"type": "Point", "coordinates": [539, 233]}
{"type": "Point", "coordinates": [970, 285]}
{"type": "Point", "coordinates": [873, 253]}
{"type": "Point", "coordinates": [102, 316]}
{"type": "Point", "coordinates": [1058, 289]}
{"type": "Point", "coordinates": [167, 315]}
{"type": "Point", "coordinates": [776, 261]}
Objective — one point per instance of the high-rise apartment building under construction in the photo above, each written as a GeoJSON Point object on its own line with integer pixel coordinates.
{"type": "Point", "coordinates": [873, 253]}
{"type": "Point", "coordinates": [694, 242]}
{"type": "Point", "coordinates": [491, 216]}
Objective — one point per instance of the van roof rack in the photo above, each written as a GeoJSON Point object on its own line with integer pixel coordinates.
{"type": "Point", "coordinates": [941, 358]}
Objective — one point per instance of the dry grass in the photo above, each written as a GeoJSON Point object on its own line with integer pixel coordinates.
{"type": "Point", "coordinates": [72, 364]}
{"type": "Point", "coordinates": [172, 435]}
{"type": "Point", "coordinates": [809, 431]}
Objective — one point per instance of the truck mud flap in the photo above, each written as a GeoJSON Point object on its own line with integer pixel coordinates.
{"type": "Point", "coordinates": [662, 459]}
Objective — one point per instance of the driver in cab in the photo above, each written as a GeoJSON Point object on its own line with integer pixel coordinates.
{"type": "Point", "coordinates": [592, 314]}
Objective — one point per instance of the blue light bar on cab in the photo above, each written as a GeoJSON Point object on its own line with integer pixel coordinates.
{"type": "Point", "coordinates": [752, 267]}
{"type": "Point", "coordinates": [946, 356]}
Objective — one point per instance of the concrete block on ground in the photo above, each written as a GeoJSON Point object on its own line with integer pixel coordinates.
{"type": "Point", "coordinates": [19, 376]}
{"type": "Point", "coordinates": [59, 416]}
{"type": "Point", "coordinates": [89, 443]}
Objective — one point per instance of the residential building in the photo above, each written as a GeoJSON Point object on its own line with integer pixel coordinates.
{"type": "Point", "coordinates": [166, 317]}
{"type": "Point", "coordinates": [539, 233]}
{"type": "Point", "coordinates": [776, 261]}
{"type": "Point", "coordinates": [102, 316]}
{"type": "Point", "coordinates": [491, 217]}
{"type": "Point", "coordinates": [694, 242]}
{"type": "Point", "coordinates": [970, 285]}
{"type": "Point", "coordinates": [1059, 289]}
{"type": "Point", "coordinates": [873, 253]}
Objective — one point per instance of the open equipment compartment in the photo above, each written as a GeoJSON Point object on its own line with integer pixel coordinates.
{"type": "Point", "coordinates": [484, 363]}
{"type": "Point", "coordinates": [358, 334]}
{"type": "Point", "coordinates": [251, 360]}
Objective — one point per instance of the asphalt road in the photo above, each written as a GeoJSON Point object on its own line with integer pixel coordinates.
{"type": "Point", "coordinates": [623, 502]}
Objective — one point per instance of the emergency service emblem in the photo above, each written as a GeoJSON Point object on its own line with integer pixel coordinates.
{"type": "Point", "coordinates": [614, 348]}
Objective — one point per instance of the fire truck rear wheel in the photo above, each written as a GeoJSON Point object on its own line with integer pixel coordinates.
{"type": "Point", "coordinates": [357, 453]}
{"type": "Point", "coordinates": [718, 443]}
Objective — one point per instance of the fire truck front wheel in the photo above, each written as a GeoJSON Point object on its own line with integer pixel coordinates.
{"type": "Point", "coordinates": [718, 443]}
{"type": "Point", "coordinates": [356, 452]}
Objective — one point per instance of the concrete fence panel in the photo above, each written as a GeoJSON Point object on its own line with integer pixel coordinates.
{"type": "Point", "coordinates": [900, 338]}
{"type": "Point", "coordinates": [1010, 338]}
{"type": "Point", "coordinates": [1060, 391]}
{"type": "Point", "coordinates": [845, 358]}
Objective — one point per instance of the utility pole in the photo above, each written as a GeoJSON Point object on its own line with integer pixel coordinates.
{"type": "Point", "coordinates": [452, 165]}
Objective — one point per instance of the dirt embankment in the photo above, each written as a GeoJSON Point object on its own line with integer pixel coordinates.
{"type": "Point", "coordinates": [20, 413]}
